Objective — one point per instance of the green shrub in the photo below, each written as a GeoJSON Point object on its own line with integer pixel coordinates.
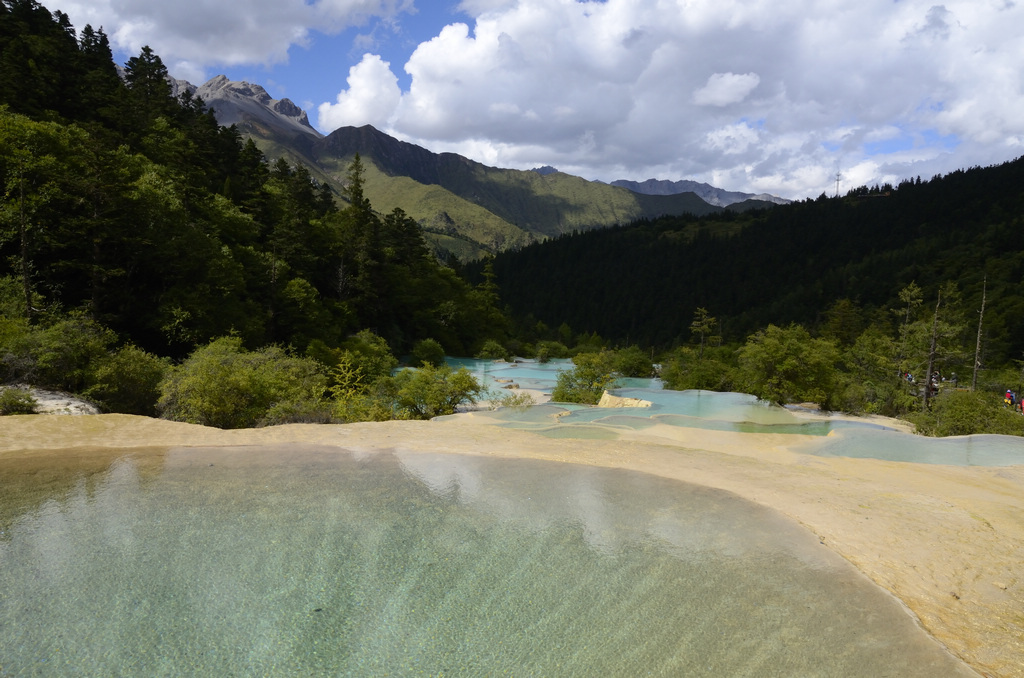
{"type": "Point", "coordinates": [587, 380]}
{"type": "Point", "coordinates": [961, 413]}
{"type": "Point", "coordinates": [302, 410]}
{"type": "Point", "coordinates": [492, 350]}
{"type": "Point", "coordinates": [433, 391]}
{"type": "Point", "coordinates": [67, 352]}
{"type": "Point", "coordinates": [128, 381]}
{"type": "Point", "coordinates": [371, 354]}
{"type": "Point", "coordinates": [427, 352]}
{"type": "Point", "coordinates": [373, 403]}
{"type": "Point", "coordinates": [513, 400]}
{"type": "Point", "coordinates": [361, 389]}
{"type": "Point", "coordinates": [633, 362]}
{"type": "Point", "coordinates": [870, 382]}
{"type": "Point", "coordinates": [223, 385]}
{"type": "Point", "coordinates": [785, 365]}
{"type": "Point", "coordinates": [548, 350]}
{"type": "Point", "coordinates": [587, 343]}
{"type": "Point", "coordinates": [362, 360]}
{"type": "Point", "coordinates": [61, 355]}
{"type": "Point", "coordinates": [686, 370]}
{"type": "Point", "coordinates": [17, 401]}
{"type": "Point", "coordinates": [17, 360]}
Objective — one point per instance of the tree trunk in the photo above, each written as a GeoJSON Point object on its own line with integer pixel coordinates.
{"type": "Point", "coordinates": [977, 347]}
{"type": "Point", "coordinates": [931, 356]}
{"type": "Point", "coordinates": [26, 280]}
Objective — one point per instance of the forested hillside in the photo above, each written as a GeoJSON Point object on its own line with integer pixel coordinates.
{"type": "Point", "coordinates": [641, 283]}
{"type": "Point", "coordinates": [138, 209]}
{"type": "Point", "coordinates": [466, 208]}
{"type": "Point", "coordinates": [153, 263]}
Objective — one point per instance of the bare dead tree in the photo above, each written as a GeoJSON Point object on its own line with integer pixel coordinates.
{"type": "Point", "coordinates": [977, 346]}
{"type": "Point", "coordinates": [931, 355]}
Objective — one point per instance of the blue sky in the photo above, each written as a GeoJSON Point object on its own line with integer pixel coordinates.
{"type": "Point", "coordinates": [316, 72]}
{"type": "Point", "coordinates": [748, 95]}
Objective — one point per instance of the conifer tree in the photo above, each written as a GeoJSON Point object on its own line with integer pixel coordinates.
{"type": "Point", "coordinates": [149, 92]}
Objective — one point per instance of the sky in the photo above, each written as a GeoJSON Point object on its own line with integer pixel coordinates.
{"type": "Point", "coordinates": [761, 96]}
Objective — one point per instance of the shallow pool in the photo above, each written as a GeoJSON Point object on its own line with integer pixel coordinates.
{"type": "Point", "coordinates": [312, 561]}
{"type": "Point", "coordinates": [737, 412]}
{"type": "Point", "coordinates": [530, 373]}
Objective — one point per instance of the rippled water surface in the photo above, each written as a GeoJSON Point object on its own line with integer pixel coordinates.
{"type": "Point", "coordinates": [309, 561]}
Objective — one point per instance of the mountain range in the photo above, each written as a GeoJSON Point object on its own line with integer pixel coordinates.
{"type": "Point", "coordinates": [465, 208]}
{"type": "Point", "coordinates": [706, 192]}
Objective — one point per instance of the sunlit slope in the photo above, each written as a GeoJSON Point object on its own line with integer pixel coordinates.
{"type": "Point", "coordinates": [466, 207]}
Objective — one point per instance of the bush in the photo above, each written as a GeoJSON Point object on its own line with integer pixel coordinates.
{"type": "Point", "coordinates": [17, 362]}
{"type": "Point", "coordinates": [587, 380]}
{"type": "Point", "coordinates": [961, 413]}
{"type": "Point", "coordinates": [785, 365]}
{"type": "Point", "coordinates": [633, 362]}
{"type": "Point", "coordinates": [687, 370]}
{"type": "Point", "coordinates": [871, 383]}
{"type": "Point", "coordinates": [431, 391]}
{"type": "Point", "coordinates": [128, 382]}
{"type": "Point", "coordinates": [223, 385]}
{"type": "Point", "coordinates": [548, 350]}
{"type": "Point", "coordinates": [428, 352]}
{"type": "Point", "coordinates": [513, 400]}
{"type": "Point", "coordinates": [371, 354]}
{"type": "Point", "coordinates": [360, 361]}
{"type": "Point", "coordinates": [492, 350]}
{"type": "Point", "coordinates": [61, 355]}
{"type": "Point", "coordinates": [303, 410]}
{"type": "Point", "coordinates": [17, 401]}
{"type": "Point", "coordinates": [376, 404]}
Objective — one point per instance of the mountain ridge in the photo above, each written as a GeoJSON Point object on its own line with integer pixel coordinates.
{"type": "Point", "coordinates": [235, 102]}
{"type": "Point", "coordinates": [473, 209]}
{"type": "Point", "coordinates": [710, 194]}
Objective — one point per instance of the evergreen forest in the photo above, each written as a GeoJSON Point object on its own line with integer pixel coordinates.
{"type": "Point", "coordinates": [159, 264]}
{"type": "Point", "coordinates": [130, 218]}
{"type": "Point", "coordinates": [850, 302]}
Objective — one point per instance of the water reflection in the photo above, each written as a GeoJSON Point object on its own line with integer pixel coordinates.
{"type": "Point", "coordinates": [313, 561]}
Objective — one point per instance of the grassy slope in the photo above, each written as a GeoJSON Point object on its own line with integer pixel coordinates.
{"type": "Point", "coordinates": [473, 209]}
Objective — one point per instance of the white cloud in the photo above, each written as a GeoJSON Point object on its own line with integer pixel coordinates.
{"type": "Point", "coordinates": [732, 139]}
{"type": "Point", "coordinates": [371, 98]}
{"type": "Point", "coordinates": [770, 96]}
{"type": "Point", "coordinates": [202, 34]}
{"type": "Point", "coordinates": [245, 31]}
{"type": "Point", "coordinates": [817, 87]}
{"type": "Point", "coordinates": [334, 15]}
{"type": "Point", "coordinates": [723, 89]}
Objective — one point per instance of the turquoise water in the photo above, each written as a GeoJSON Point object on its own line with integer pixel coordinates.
{"type": "Point", "coordinates": [306, 561]}
{"type": "Point", "coordinates": [529, 373]}
{"type": "Point", "coordinates": [745, 414]}
{"type": "Point", "coordinates": [978, 450]}
{"type": "Point", "coordinates": [737, 412]}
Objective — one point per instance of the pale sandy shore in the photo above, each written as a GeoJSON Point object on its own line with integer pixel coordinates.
{"type": "Point", "coordinates": [947, 541]}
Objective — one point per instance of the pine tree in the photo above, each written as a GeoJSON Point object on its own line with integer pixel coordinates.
{"type": "Point", "coordinates": [148, 92]}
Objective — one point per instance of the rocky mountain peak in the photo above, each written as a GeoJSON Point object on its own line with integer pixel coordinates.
{"type": "Point", "coordinates": [239, 103]}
